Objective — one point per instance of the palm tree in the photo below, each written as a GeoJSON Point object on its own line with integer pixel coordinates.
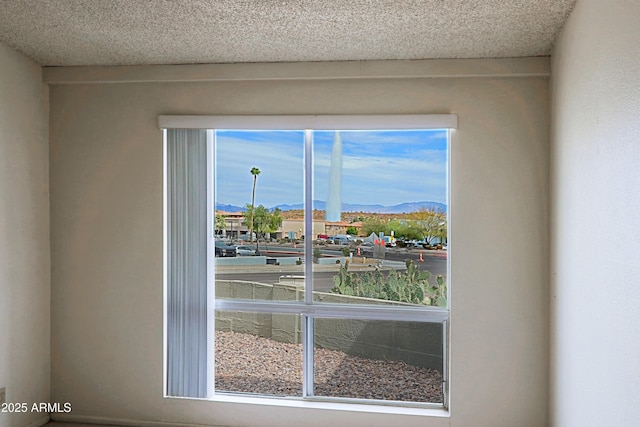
{"type": "Point", "coordinates": [255, 172]}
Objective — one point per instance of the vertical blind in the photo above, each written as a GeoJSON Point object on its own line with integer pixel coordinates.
{"type": "Point", "coordinates": [186, 164]}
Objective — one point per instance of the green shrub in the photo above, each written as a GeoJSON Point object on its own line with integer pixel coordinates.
{"type": "Point", "coordinates": [410, 286]}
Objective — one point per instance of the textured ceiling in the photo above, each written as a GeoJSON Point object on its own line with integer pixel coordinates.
{"type": "Point", "coordinates": [131, 32]}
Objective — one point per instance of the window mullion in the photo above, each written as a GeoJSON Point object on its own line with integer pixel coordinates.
{"type": "Point", "coordinates": [445, 363]}
{"type": "Point", "coordinates": [338, 311]}
{"type": "Point", "coordinates": [308, 215]}
{"type": "Point", "coordinates": [307, 321]}
{"type": "Point", "coordinates": [307, 356]}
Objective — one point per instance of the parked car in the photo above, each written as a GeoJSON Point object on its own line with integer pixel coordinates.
{"type": "Point", "coordinates": [243, 250]}
{"type": "Point", "coordinates": [224, 250]}
{"type": "Point", "coordinates": [342, 240]}
{"type": "Point", "coordinates": [415, 244]}
{"type": "Point", "coordinates": [366, 247]}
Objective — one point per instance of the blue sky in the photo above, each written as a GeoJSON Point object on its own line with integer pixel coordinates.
{"type": "Point", "coordinates": [379, 167]}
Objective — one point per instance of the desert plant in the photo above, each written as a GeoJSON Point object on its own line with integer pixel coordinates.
{"type": "Point", "coordinates": [316, 254]}
{"type": "Point", "coordinates": [342, 281]}
{"type": "Point", "coordinates": [411, 286]}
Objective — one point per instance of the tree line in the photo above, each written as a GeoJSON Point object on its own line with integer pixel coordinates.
{"type": "Point", "coordinates": [427, 224]}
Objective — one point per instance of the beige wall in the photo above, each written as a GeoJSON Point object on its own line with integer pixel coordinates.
{"type": "Point", "coordinates": [595, 340]}
{"type": "Point", "coordinates": [106, 221]}
{"type": "Point", "coordinates": [297, 226]}
{"type": "Point", "coordinates": [24, 235]}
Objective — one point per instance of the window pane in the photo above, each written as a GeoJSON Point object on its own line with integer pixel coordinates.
{"type": "Point", "coordinates": [259, 353]}
{"type": "Point", "coordinates": [380, 360]}
{"type": "Point", "coordinates": [259, 175]}
{"type": "Point", "coordinates": [381, 202]}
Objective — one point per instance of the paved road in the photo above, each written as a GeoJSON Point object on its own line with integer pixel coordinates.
{"type": "Point", "coordinates": [434, 262]}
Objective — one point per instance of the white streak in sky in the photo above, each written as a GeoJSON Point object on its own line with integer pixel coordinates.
{"type": "Point", "coordinates": [334, 201]}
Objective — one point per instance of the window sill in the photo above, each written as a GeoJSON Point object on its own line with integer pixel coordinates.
{"type": "Point", "coordinates": [390, 409]}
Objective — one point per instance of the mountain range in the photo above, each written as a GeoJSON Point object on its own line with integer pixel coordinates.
{"type": "Point", "coordinates": [348, 207]}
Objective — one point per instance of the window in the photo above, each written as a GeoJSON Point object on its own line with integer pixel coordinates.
{"type": "Point", "coordinates": [306, 258]}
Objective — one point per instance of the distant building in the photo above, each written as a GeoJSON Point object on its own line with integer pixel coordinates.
{"type": "Point", "coordinates": [341, 227]}
{"type": "Point", "coordinates": [294, 228]}
{"type": "Point", "coordinates": [235, 227]}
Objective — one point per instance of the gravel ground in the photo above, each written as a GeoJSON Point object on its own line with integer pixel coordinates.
{"type": "Point", "coordinates": [251, 364]}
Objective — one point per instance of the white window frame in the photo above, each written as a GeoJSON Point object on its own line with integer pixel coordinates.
{"type": "Point", "coordinates": [307, 308]}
